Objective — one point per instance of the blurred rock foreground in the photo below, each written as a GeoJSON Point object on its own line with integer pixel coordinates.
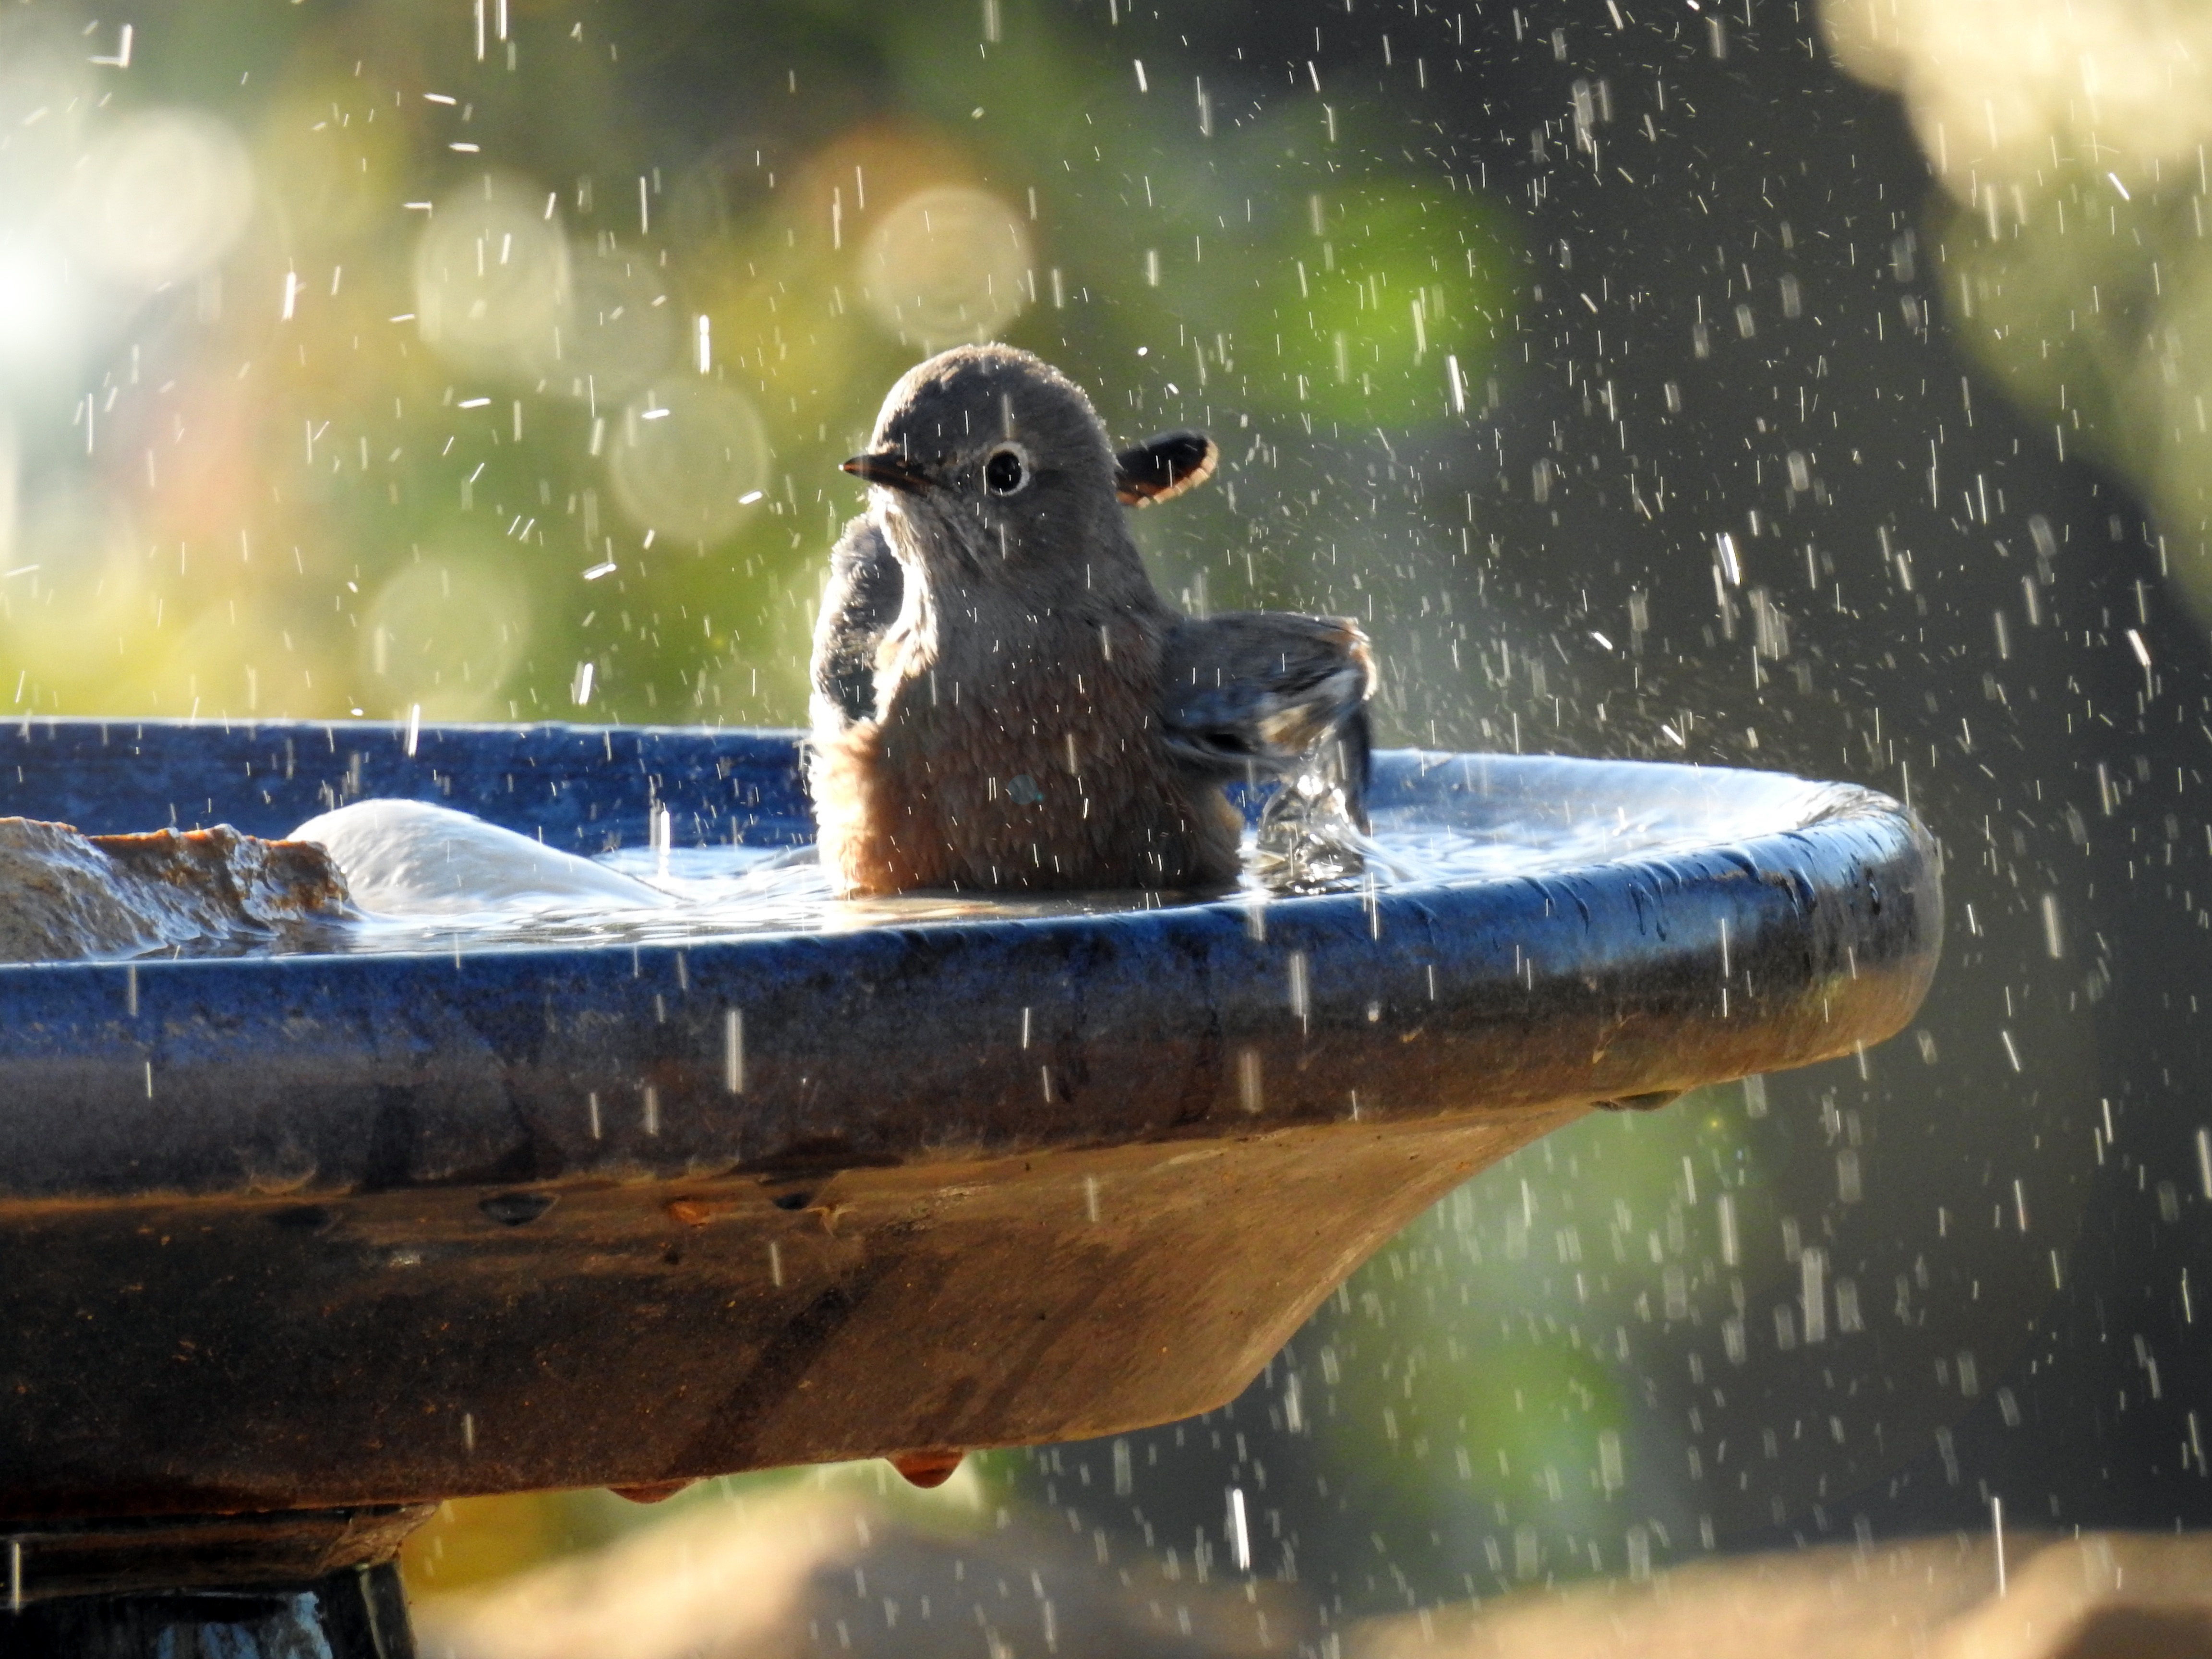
{"type": "Point", "coordinates": [824, 1570]}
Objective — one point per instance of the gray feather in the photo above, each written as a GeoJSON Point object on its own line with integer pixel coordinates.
{"type": "Point", "coordinates": [1257, 690]}
{"type": "Point", "coordinates": [860, 603]}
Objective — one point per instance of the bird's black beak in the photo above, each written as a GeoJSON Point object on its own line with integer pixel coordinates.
{"type": "Point", "coordinates": [890, 467]}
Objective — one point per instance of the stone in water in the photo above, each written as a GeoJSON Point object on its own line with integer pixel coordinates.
{"type": "Point", "coordinates": [65, 896]}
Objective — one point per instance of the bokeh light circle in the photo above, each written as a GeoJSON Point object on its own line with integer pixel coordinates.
{"type": "Point", "coordinates": [947, 265]}
{"type": "Point", "coordinates": [162, 194]}
{"type": "Point", "coordinates": [444, 632]}
{"type": "Point", "coordinates": [685, 458]}
{"type": "Point", "coordinates": [491, 274]}
{"type": "Point", "coordinates": [41, 312]}
{"type": "Point", "coordinates": [618, 332]}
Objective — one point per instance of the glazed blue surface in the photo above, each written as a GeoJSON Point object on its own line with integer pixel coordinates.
{"type": "Point", "coordinates": [1806, 919]}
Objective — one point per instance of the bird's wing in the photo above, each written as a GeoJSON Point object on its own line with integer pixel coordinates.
{"type": "Point", "coordinates": [1260, 690]}
{"type": "Point", "coordinates": [860, 603]}
{"type": "Point", "coordinates": [1160, 469]}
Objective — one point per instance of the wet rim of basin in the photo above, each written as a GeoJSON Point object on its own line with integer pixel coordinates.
{"type": "Point", "coordinates": [1806, 925]}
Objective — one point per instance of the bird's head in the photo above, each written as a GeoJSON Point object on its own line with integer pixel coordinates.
{"type": "Point", "coordinates": [989, 464]}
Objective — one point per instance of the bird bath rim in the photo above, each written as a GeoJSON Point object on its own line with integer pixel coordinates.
{"type": "Point", "coordinates": [212, 1058]}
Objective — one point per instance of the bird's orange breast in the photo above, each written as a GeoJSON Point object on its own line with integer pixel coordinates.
{"type": "Point", "coordinates": [1043, 772]}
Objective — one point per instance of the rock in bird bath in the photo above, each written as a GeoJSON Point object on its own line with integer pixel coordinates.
{"type": "Point", "coordinates": [213, 892]}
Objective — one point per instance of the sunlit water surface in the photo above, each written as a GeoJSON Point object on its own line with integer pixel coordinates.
{"type": "Point", "coordinates": [703, 894]}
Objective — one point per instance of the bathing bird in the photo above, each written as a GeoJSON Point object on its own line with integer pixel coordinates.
{"type": "Point", "coordinates": [1001, 701]}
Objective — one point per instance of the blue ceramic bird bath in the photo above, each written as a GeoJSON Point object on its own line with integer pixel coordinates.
{"type": "Point", "coordinates": [296, 1244]}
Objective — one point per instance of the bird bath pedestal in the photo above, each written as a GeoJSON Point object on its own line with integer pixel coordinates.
{"type": "Point", "coordinates": [297, 1246]}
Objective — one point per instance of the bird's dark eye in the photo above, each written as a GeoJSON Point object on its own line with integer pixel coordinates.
{"type": "Point", "coordinates": [1004, 472]}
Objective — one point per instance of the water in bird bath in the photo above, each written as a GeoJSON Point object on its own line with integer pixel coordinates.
{"type": "Point", "coordinates": [427, 879]}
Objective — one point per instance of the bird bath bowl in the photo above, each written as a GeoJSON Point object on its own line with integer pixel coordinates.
{"type": "Point", "coordinates": [298, 1245]}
